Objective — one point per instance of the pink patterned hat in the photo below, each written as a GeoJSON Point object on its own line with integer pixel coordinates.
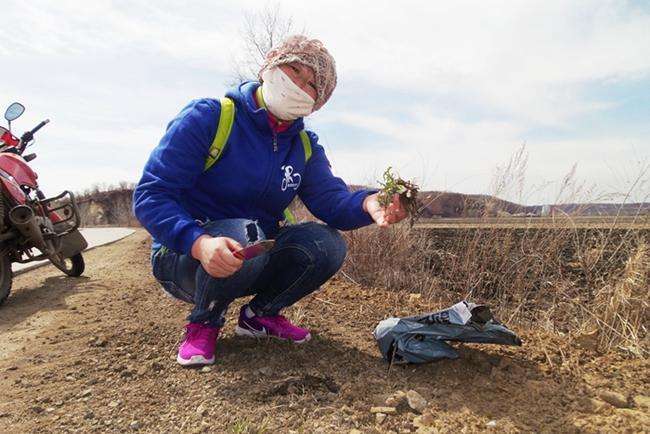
{"type": "Point", "coordinates": [309, 52]}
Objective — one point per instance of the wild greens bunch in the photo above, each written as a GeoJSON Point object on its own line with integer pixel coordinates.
{"type": "Point", "coordinates": [407, 190]}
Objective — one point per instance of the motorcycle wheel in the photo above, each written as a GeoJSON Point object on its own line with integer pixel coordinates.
{"type": "Point", "coordinates": [73, 266]}
{"type": "Point", "coordinates": [6, 276]}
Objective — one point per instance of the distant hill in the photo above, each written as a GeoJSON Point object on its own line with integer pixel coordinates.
{"type": "Point", "coordinates": [112, 206]}
{"type": "Point", "coordinates": [450, 204]}
{"type": "Point", "coordinates": [595, 209]}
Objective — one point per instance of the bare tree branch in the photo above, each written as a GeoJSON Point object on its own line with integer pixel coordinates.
{"type": "Point", "coordinates": [261, 30]}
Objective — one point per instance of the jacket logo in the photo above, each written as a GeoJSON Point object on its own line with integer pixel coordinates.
{"type": "Point", "coordinates": [291, 180]}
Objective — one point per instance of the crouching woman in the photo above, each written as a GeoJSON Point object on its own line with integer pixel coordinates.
{"type": "Point", "coordinates": [221, 178]}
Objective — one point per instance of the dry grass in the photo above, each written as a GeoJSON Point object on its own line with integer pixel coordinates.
{"type": "Point", "coordinates": [559, 278]}
{"type": "Point", "coordinates": [564, 277]}
{"type": "Point", "coordinates": [621, 308]}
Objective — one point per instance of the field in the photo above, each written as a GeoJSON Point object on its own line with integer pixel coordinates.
{"type": "Point", "coordinates": [96, 354]}
{"type": "Point", "coordinates": [560, 222]}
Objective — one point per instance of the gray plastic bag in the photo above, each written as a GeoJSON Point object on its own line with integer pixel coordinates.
{"type": "Point", "coordinates": [421, 339]}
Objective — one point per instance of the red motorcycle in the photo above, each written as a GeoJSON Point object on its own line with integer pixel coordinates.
{"type": "Point", "coordinates": [33, 227]}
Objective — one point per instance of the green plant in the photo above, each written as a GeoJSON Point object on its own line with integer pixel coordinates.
{"type": "Point", "coordinates": [407, 191]}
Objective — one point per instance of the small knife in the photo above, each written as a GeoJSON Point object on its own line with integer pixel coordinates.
{"type": "Point", "coordinates": [254, 250]}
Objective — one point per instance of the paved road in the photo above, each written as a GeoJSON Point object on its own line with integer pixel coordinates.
{"type": "Point", "coordinates": [94, 236]}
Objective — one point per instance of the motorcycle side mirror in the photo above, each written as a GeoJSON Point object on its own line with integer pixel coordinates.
{"type": "Point", "coordinates": [14, 111]}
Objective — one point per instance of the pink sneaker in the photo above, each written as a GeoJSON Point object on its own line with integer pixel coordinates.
{"type": "Point", "coordinates": [275, 326]}
{"type": "Point", "coordinates": [198, 346]}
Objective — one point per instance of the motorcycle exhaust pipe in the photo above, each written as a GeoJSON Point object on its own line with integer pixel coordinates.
{"type": "Point", "coordinates": [23, 218]}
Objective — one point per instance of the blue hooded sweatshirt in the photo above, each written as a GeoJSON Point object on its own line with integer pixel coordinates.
{"type": "Point", "coordinates": [257, 176]}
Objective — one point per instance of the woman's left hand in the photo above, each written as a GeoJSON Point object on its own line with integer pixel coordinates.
{"type": "Point", "coordinates": [384, 216]}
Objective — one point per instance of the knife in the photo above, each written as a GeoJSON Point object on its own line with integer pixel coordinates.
{"type": "Point", "coordinates": [254, 250]}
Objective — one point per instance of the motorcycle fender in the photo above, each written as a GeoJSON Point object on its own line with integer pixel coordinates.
{"type": "Point", "coordinates": [72, 243]}
{"type": "Point", "coordinates": [12, 188]}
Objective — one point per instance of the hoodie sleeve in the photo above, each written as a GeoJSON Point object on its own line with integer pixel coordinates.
{"type": "Point", "coordinates": [328, 197]}
{"type": "Point", "coordinates": [174, 166]}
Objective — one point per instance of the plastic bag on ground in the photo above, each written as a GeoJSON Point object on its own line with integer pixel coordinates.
{"type": "Point", "coordinates": [422, 338]}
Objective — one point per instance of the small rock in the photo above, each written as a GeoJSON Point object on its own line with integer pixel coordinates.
{"type": "Point", "coordinates": [114, 404]}
{"type": "Point", "coordinates": [98, 342]}
{"type": "Point", "coordinates": [386, 410]}
{"type": "Point", "coordinates": [392, 402]}
{"type": "Point", "coordinates": [86, 392]}
{"type": "Point", "coordinates": [50, 409]}
{"type": "Point", "coordinates": [416, 401]}
{"type": "Point", "coordinates": [380, 417]}
{"type": "Point", "coordinates": [491, 424]}
{"type": "Point", "coordinates": [135, 425]}
{"type": "Point", "coordinates": [206, 369]}
{"type": "Point", "coordinates": [414, 297]}
{"type": "Point", "coordinates": [12, 368]}
{"type": "Point", "coordinates": [614, 398]}
{"type": "Point", "coordinates": [398, 400]}
{"type": "Point", "coordinates": [69, 378]}
{"type": "Point", "coordinates": [37, 409]}
{"type": "Point", "coordinates": [424, 421]}
{"type": "Point", "coordinates": [201, 410]}
{"type": "Point", "coordinates": [641, 401]}
{"type": "Point", "coordinates": [89, 415]}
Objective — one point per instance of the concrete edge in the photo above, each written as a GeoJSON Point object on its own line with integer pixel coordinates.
{"type": "Point", "coordinates": [46, 262]}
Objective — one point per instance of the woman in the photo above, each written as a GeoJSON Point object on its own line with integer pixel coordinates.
{"type": "Point", "coordinates": [200, 213]}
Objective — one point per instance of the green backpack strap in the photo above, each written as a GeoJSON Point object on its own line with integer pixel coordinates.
{"type": "Point", "coordinates": [226, 119]}
{"type": "Point", "coordinates": [306, 144]}
{"type": "Point", "coordinates": [289, 218]}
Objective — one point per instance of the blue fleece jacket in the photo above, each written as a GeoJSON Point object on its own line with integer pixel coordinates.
{"type": "Point", "coordinates": [257, 176]}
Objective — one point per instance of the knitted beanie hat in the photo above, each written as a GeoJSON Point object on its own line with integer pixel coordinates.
{"type": "Point", "coordinates": [311, 53]}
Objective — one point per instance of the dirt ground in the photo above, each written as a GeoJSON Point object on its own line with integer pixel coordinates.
{"type": "Point", "coordinates": [97, 354]}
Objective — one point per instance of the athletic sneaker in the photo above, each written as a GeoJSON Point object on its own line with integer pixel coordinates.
{"type": "Point", "coordinates": [198, 346]}
{"type": "Point", "coordinates": [275, 326]}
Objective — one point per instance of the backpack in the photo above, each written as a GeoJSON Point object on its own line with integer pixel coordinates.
{"type": "Point", "coordinates": [226, 120]}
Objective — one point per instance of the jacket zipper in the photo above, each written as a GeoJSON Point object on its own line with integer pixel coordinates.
{"type": "Point", "coordinates": [273, 165]}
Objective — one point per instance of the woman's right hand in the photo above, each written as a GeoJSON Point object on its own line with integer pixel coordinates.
{"type": "Point", "coordinates": [216, 255]}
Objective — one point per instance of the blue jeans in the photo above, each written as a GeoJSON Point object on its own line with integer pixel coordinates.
{"type": "Point", "coordinates": [304, 257]}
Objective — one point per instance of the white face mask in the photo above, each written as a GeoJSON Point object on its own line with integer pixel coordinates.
{"type": "Point", "coordinates": [283, 97]}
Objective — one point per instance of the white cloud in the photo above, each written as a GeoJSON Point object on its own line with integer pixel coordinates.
{"type": "Point", "coordinates": [524, 58]}
{"type": "Point", "coordinates": [449, 88]}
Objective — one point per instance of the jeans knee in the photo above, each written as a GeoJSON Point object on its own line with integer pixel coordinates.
{"type": "Point", "coordinates": [328, 247]}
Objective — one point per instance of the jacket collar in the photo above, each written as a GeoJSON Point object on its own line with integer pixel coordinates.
{"type": "Point", "coordinates": [245, 95]}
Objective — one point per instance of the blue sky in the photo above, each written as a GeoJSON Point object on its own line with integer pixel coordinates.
{"type": "Point", "coordinates": [443, 92]}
